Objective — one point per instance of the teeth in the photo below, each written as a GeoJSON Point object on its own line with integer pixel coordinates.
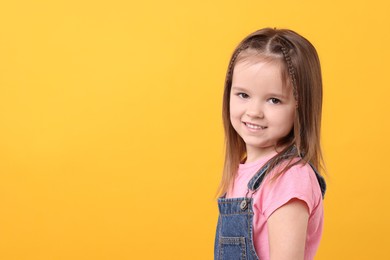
{"type": "Point", "coordinates": [254, 126]}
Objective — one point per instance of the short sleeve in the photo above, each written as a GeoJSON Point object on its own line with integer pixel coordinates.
{"type": "Point", "coordinates": [299, 182]}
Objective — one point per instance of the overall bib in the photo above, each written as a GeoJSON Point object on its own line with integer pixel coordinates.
{"type": "Point", "coordinates": [234, 236]}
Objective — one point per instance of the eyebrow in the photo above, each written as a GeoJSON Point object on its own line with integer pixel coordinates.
{"type": "Point", "coordinates": [280, 96]}
{"type": "Point", "coordinates": [236, 88]}
{"type": "Point", "coordinates": [276, 94]}
{"type": "Point", "coordinates": [239, 88]}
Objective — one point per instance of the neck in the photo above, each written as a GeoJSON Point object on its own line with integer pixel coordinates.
{"type": "Point", "coordinates": [256, 154]}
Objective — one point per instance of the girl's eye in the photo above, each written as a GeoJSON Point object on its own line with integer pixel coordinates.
{"type": "Point", "coordinates": [243, 95]}
{"type": "Point", "coordinates": [274, 101]}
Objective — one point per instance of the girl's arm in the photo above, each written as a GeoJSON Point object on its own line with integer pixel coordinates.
{"type": "Point", "coordinates": [287, 231]}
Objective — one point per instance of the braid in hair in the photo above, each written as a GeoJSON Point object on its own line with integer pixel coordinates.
{"type": "Point", "coordinates": [291, 70]}
{"type": "Point", "coordinates": [234, 58]}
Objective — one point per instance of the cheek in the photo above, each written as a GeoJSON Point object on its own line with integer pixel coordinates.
{"type": "Point", "coordinates": [286, 120]}
{"type": "Point", "coordinates": [234, 109]}
{"type": "Point", "coordinates": [291, 119]}
{"type": "Point", "coordinates": [235, 116]}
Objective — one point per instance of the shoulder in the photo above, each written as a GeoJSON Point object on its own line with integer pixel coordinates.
{"type": "Point", "coordinates": [302, 174]}
{"type": "Point", "coordinates": [299, 182]}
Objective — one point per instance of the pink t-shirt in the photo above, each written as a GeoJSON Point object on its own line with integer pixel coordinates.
{"type": "Point", "coordinates": [298, 182]}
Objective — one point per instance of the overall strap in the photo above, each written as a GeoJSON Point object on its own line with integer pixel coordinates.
{"type": "Point", "coordinates": [258, 178]}
{"type": "Point", "coordinates": [321, 181]}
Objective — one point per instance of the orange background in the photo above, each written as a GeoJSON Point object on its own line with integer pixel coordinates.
{"type": "Point", "coordinates": [111, 141]}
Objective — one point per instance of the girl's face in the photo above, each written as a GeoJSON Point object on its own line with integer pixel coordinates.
{"type": "Point", "coordinates": [262, 109]}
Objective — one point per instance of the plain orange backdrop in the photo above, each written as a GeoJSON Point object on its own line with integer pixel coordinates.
{"type": "Point", "coordinates": [111, 141]}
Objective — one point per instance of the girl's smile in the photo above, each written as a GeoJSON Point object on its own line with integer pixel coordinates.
{"type": "Point", "coordinates": [262, 108]}
{"type": "Point", "coordinates": [254, 127]}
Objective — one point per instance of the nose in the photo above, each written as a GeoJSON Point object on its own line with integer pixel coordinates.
{"type": "Point", "coordinates": [255, 110]}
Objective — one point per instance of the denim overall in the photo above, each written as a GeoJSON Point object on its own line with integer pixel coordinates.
{"type": "Point", "coordinates": [234, 236]}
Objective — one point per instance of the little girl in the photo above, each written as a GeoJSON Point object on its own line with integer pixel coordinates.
{"type": "Point", "coordinates": [271, 204]}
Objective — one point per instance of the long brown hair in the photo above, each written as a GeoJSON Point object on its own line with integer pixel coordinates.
{"type": "Point", "coordinates": [301, 70]}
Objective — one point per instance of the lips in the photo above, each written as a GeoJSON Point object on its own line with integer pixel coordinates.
{"type": "Point", "coordinates": [254, 126]}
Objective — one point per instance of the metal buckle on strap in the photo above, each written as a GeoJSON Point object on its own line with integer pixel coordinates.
{"type": "Point", "coordinates": [244, 204]}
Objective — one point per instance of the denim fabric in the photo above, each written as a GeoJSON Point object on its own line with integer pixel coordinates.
{"type": "Point", "coordinates": [234, 236]}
